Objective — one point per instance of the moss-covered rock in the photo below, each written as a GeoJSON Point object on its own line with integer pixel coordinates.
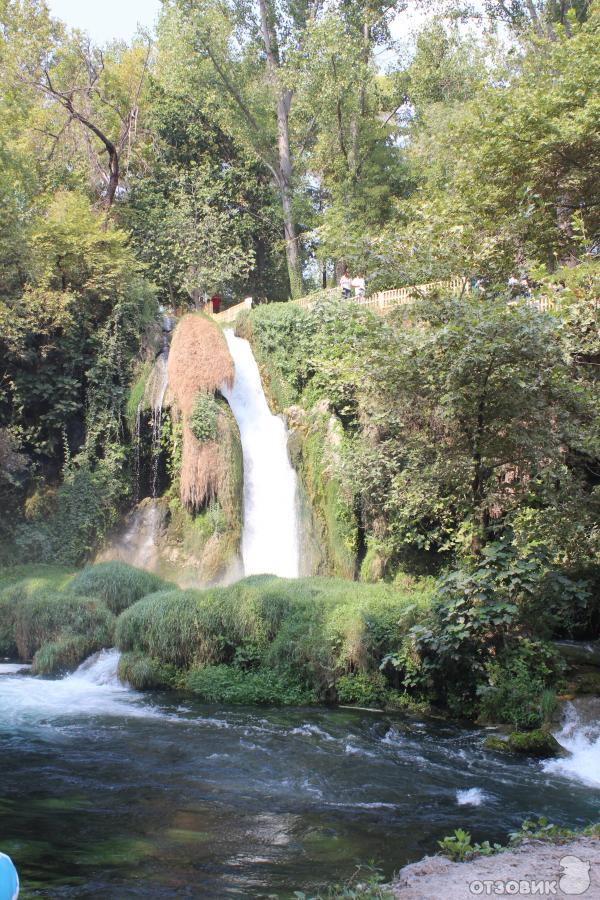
{"type": "Point", "coordinates": [538, 743]}
{"type": "Point", "coordinates": [316, 438]}
{"type": "Point", "coordinates": [588, 683]}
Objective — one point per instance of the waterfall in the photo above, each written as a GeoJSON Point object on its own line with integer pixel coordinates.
{"type": "Point", "coordinates": [154, 395]}
{"type": "Point", "coordinates": [580, 735]}
{"type": "Point", "coordinates": [270, 534]}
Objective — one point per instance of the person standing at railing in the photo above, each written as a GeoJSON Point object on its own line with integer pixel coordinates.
{"type": "Point", "coordinates": [346, 285]}
{"type": "Point", "coordinates": [358, 283]}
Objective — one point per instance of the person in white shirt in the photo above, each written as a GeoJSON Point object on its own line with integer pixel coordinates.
{"type": "Point", "coordinates": [346, 284]}
{"type": "Point", "coordinates": [358, 284]}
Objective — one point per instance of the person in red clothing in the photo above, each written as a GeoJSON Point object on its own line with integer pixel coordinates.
{"type": "Point", "coordinates": [216, 303]}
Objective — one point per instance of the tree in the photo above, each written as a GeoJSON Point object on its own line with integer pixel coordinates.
{"type": "Point", "coordinates": [245, 50]}
{"type": "Point", "coordinates": [96, 92]}
{"type": "Point", "coordinates": [471, 406]}
{"type": "Point", "coordinates": [200, 205]}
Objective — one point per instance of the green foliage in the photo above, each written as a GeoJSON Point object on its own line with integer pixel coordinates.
{"type": "Point", "coordinates": [543, 830]}
{"type": "Point", "coordinates": [144, 673]}
{"type": "Point", "coordinates": [228, 684]}
{"type": "Point", "coordinates": [458, 847]}
{"type": "Point", "coordinates": [517, 689]}
{"type": "Point", "coordinates": [72, 520]}
{"type": "Point", "coordinates": [118, 584]}
{"type": "Point", "coordinates": [73, 623]}
{"type": "Point", "coordinates": [304, 633]}
{"type": "Point", "coordinates": [473, 652]}
{"type": "Point", "coordinates": [281, 336]}
{"type": "Point", "coordinates": [367, 883]}
{"type": "Point", "coordinates": [362, 689]}
{"type": "Point", "coordinates": [203, 418]}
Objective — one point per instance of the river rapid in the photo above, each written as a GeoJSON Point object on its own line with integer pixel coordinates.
{"type": "Point", "coordinates": [110, 793]}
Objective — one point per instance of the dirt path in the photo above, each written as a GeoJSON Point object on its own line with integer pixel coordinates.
{"type": "Point", "coordinates": [513, 873]}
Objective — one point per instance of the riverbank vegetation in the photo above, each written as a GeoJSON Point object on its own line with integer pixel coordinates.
{"type": "Point", "coordinates": [449, 453]}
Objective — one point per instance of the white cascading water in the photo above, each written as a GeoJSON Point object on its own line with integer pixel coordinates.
{"type": "Point", "coordinates": [270, 542]}
{"type": "Point", "coordinates": [93, 690]}
{"type": "Point", "coordinates": [580, 735]}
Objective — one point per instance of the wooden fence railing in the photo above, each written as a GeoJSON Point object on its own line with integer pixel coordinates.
{"type": "Point", "coordinates": [383, 301]}
{"type": "Point", "coordinates": [379, 302]}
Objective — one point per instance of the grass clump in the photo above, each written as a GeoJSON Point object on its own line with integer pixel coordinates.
{"type": "Point", "coordinates": [229, 684]}
{"type": "Point", "coordinates": [33, 577]}
{"type": "Point", "coordinates": [144, 673]}
{"type": "Point", "coordinates": [117, 583]}
{"type": "Point", "coordinates": [57, 630]}
{"type": "Point", "coordinates": [63, 655]}
{"type": "Point", "coordinates": [268, 640]}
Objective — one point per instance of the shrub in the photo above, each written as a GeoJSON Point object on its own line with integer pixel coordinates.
{"type": "Point", "coordinates": [117, 583]}
{"type": "Point", "coordinates": [362, 689]}
{"type": "Point", "coordinates": [47, 616]}
{"type": "Point", "coordinates": [203, 418]}
{"type": "Point", "coordinates": [77, 515]}
{"type": "Point", "coordinates": [63, 655]}
{"type": "Point", "coordinates": [144, 673]}
{"type": "Point", "coordinates": [227, 684]}
{"type": "Point", "coordinates": [517, 688]}
{"type": "Point", "coordinates": [308, 632]}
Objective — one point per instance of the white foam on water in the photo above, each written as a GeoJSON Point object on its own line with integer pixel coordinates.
{"type": "Point", "coordinates": [470, 797]}
{"type": "Point", "coordinates": [582, 740]}
{"type": "Point", "coordinates": [13, 668]}
{"type": "Point", "coordinates": [308, 730]}
{"type": "Point", "coordinates": [93, 690]}
{"type": "Point", "coordinates": [270, 543]}
{"type": "Point", "coordinates": [353, 750]}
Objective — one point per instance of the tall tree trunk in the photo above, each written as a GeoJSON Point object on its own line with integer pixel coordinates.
{"type": "Point", "coordinates": [284, 169]}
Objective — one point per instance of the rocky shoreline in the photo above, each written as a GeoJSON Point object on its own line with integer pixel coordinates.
{"type": "Point", "coordinates": [556, 870]}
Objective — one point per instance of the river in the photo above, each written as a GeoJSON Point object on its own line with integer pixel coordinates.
{"type": "Point", "coordinates": [110, 793]}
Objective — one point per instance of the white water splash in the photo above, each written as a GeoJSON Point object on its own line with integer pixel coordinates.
{"type": "Point", "coordinates": [93, 690]}
{"type": "Point", "coordinates": [13, 668]}
{"type": "Point", "coordinates": [470, 797]}
{"type": "Point", "coordinates": [270, 536]}
{"type": "Point", "coordinates": [582, 740]}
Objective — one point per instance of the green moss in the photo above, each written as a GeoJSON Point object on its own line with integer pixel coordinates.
{"type": "Point", "coordinates": [136, 394]}
{"type": "Point", "coordinates": [330, 502]}
{"type": "Point", "coordinates": [117, 583]}
{"type": "Point", "coordinates": [538, 743]}
{"type": "Point", "coordinates": [589, 683]}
